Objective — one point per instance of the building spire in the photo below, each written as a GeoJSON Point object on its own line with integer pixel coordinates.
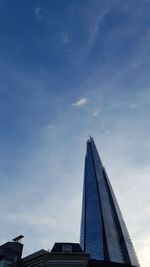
{"type": "Point", "coordinates": [103, 231]}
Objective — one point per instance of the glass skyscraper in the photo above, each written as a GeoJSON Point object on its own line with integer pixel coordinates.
{"type": "Point", "coordinates": [103, 231]}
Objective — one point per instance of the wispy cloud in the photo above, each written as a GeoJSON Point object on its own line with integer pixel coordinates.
{"type": "Point", "coordinates": [80, 102]}
{"type": "Point", "coordinates": [95, 26]}
{"type": "Point", "coordinates": [96, 112]}
{"type": "Point", "coordinates": [93, 16]}
{"type": "Point", "coordinates": [38, 14]}
{"type": "Point", "coordinates": [100, 38]}
{"type": "Point", "coordinates": [50, 126]}
{"type": "Point", "coordinates": [65, 37]}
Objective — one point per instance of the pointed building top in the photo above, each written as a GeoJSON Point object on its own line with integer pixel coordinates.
{"type": "Point", "coordinates": [103, 231]}
{"type": "Point", "coordinates": [90, 138]}
{"type": "Point", "coordinates": [93, 149]}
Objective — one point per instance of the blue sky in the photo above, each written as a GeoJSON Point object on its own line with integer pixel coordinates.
{"type": "Point", "coordinates": [69, 69]}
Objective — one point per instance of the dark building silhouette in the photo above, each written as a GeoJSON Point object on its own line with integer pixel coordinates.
{"type": "Point", "coordinates": [103, 231]}
{"type": "Point", "coordinates": [62, 254]}
{"type": "Point", "coordinates": [10, 254]}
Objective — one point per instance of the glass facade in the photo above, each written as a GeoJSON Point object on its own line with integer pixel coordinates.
{"type": "Point", "coordinates": [82, 231]}
{"type": "Point", "coordinates": [4, 263]}
{"type": "Point", "coordinates": [93, 218]}
{"type": "Point", "coordinates": [129, 246]}
{"type": "Point", "coordinates": [103, 232]}
{"type": "Point", "coordinates": [91, 222]}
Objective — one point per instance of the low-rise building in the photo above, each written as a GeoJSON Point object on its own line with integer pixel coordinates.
{"type": "Point", "coordinates": [62, 254]}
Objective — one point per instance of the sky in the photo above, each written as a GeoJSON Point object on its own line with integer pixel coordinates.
{"type": "Point", "coordinates": [70, 69]}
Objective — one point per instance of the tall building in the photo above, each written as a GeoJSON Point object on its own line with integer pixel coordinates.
{"type": "Point", "coordinates": [103, 231]}
{"type": "Point", "coordinates": [105, 241]}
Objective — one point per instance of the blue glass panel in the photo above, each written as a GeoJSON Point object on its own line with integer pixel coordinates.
{"type": "Point", "coordinates": [93, 220]}
{"type": "Point", "coordinates": [129, 245]}
{"type": "Point", "coordinates": [82, 231]}
{"type": "Point", "coordinates": [101, 217]}
{"type": "Point", "coordinates": [112, 238]}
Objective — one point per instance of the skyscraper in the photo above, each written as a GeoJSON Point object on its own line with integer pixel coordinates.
{"type": "Point", "coordinates": [103, 231]}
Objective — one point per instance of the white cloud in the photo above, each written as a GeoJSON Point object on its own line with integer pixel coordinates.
{"type": "Point", "coordinates": [80, 102]}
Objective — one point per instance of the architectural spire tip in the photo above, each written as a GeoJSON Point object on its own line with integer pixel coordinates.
{"type": "Point", "coordinates": [90, 138]}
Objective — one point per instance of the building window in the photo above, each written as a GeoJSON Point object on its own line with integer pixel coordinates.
{"type": "Point", "coordinates": [67, 248]}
